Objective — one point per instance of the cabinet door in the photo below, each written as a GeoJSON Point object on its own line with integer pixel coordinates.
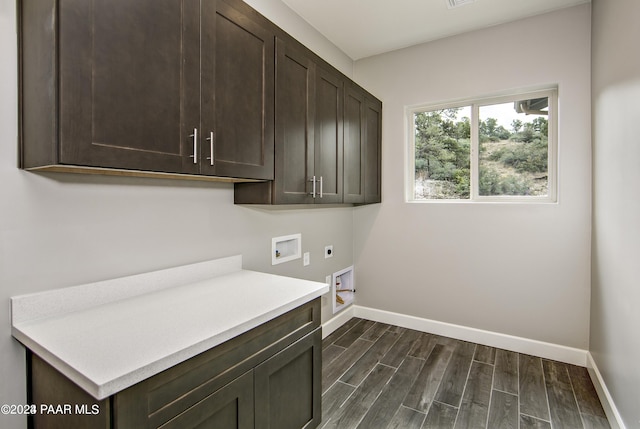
{"type": "Point", "coordinates": [295, 103]}
{"type": "Point", "coordinates": [288, 386]}
{"type": "Point", "coordinates": [328, 140]}
{"type": "Point", "coordinates": [237, 92]}
{"type": "Point", "coordinates": [354, 151]}
{"type": "Point", "coordinates": [129, 83]}
{"type": "Point", "coordinates": [230, 407]}
{"type": "Point", "coordinates": [372, 151]}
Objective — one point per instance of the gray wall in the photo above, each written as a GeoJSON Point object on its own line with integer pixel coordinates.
{"type": "Point", "coordinates": [518, 269]}
{"type": "Point", "coordinates": [615, 299]}
{"type": "Point", "coordinates": [63, 230]}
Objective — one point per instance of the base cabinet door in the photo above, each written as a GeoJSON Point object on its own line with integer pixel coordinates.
{"type": "Point", "coordinates": [230, 407]}
{"type": "Point", "coordinates": [288, 386]}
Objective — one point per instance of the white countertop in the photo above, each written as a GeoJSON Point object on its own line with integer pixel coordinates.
{"type": "Point", "coordinates": [110, 344]}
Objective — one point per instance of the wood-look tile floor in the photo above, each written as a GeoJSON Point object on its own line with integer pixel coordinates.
{"type": "Point", "coordinates": [380, 376]}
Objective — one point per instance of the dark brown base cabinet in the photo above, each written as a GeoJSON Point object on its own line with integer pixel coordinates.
{"type": "Point", "coordinates": [266, 378]}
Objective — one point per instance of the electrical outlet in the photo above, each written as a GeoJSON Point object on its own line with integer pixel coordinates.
{"type": "Point", "coordinates": [328, 251]}
{"type": "Point", "coordinates": [327, 280]}
{"type": "Point", "coordinates": [306, 259]}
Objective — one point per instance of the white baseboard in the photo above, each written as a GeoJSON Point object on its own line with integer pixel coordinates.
{"type": "Point", "coordinates": [503, 341]}
{"type": "Point", "coordinates": [337, 321]}
{"type": "Point", "coordinates": [615, 420]}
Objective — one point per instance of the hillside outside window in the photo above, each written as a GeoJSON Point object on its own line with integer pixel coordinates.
{"type": "Point", "coordinates": [497, 149]}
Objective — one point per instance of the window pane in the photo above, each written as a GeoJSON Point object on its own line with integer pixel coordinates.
{"type": "Point", "coordinates": [442, 161]}
{"type": "Point", "coordinates": [513, 150]}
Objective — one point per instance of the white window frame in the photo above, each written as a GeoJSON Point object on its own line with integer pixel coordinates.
{"type": "Point", "coordinates": [475, 104]}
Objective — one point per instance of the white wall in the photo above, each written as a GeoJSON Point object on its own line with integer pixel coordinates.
{"type": "Point", "coordinates": [615, 299]}
{"type": "Point", "coordinates": [62, 230]}
{"type": "Point", "coordinates": [518, 269]}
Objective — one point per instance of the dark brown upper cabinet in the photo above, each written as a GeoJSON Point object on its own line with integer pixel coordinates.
{"type": "Point", "coordinates": [147, 85]}
{"type": "Point", "coordinates": [295, 120]}
{"type": "Point", "coordinates": [329, 140]}
{"type": "Point", "coordinates": [309, 133]}
{"type": "Point", "coordinates": [373, 151]}
{"type": "Point", "coordinates": [362, 146]}
{"type": "Point", "coordinates": [308, 129]}
{"type": "Point", "coordinates": [237, 92]}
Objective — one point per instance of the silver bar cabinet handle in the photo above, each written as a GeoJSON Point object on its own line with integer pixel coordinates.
{"type": "Point", "coordinates": [210, 140]}
{"type": "Point", "coordinates": [313, 192]}
{"type": "Point", "coordinates": [195, 146]}
{"type": "Point", "coordinates": [320, 186]}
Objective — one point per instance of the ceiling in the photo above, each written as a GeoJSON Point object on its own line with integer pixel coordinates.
{"type": "Point", "coordinates": [362, 28]}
